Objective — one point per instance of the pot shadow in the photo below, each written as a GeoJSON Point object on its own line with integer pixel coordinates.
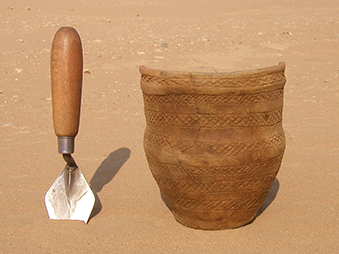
{"type": "Point", "coordinates": [105, 173]}
{"type": "Point", "coordinates": [165, 201]}
{"type": "Point", "coordinates": [268, 200]}
{"type": "Point", "coordinates": [270, 197]}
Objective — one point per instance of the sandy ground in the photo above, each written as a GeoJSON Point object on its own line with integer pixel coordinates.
{"type": "Point", "coordinates": [300, 214]}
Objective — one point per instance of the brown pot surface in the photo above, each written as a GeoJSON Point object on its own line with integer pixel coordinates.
{"type": "Point", "coordinates": [214, 141]}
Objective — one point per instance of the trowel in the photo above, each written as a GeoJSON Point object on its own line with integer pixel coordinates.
{"type": "Point", "coordinates": [70, 196]}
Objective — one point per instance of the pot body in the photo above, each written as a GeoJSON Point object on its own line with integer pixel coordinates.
{"type": "Point", "coordinates": [214, 141]}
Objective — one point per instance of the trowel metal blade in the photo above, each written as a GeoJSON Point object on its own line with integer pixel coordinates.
{"type": "Point", "coordinates": [74, 204]}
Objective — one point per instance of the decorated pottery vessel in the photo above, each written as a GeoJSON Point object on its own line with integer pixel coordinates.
{"type": "Point", "coordinates": [214, 141]}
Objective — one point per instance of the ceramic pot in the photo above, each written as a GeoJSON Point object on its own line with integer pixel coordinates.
{"type": "Point", "coordinates": [214, 141]}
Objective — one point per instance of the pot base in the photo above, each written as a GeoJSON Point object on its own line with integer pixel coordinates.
{"type": "Point", "coordinates": [208, 222]}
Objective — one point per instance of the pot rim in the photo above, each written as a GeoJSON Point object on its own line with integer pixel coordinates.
{"type": "Point", "coordinates": [156, 81]}
{"type": "Point", "coordinates": [175, 73]}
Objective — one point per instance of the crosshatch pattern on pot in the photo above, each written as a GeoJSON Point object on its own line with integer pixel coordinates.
{"type": "Point", "coordinates": [192, 99]}
{"type": "Point", "coordinates": [267, 118]}
{"type": "Point", "coordinates": [225, 149]}
{"type": "Point", "coordinates": [248, 203]}
{"type": "Point", "coordinates": [245, 185]}
{"type": "Point", "coordinates": [182, 171]}
{"type": "Point", "coordinates": [259, 79]}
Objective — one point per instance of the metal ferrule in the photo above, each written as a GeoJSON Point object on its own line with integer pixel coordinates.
{"type": "Point", "coordinates": [66, 145]}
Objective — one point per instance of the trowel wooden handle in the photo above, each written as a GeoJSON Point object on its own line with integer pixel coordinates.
{"type": "Point", "coordinates": [66, 79]}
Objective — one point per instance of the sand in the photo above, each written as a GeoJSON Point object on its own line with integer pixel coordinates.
{"type": "Point", "coordinates": [300, 215]}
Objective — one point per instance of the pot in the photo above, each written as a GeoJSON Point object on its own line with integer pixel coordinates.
{"type": "Point", "coordinates": [214, 142]}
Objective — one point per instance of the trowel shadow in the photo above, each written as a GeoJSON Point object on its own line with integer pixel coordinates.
{"type": "Point", "coordinates": [268, 200]}
{"type": "Point", "coordinates": [105, 173]}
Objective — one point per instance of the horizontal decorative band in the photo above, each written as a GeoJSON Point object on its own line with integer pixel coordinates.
{"type": "Point", "coordinates": [251, 202]}
{"type": "Point", "coordinates": [215, 120]}
{"type": "Point", "coordinates": [192, 147]}
{"type": "Point", "coordinates": [183, 170]}
{"type": "Point", "coordinates": [213, 186]}
{"type": "Point", "coordinates": [228, 99]}
{"type": "Point", "coordinates": [203, 81]}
